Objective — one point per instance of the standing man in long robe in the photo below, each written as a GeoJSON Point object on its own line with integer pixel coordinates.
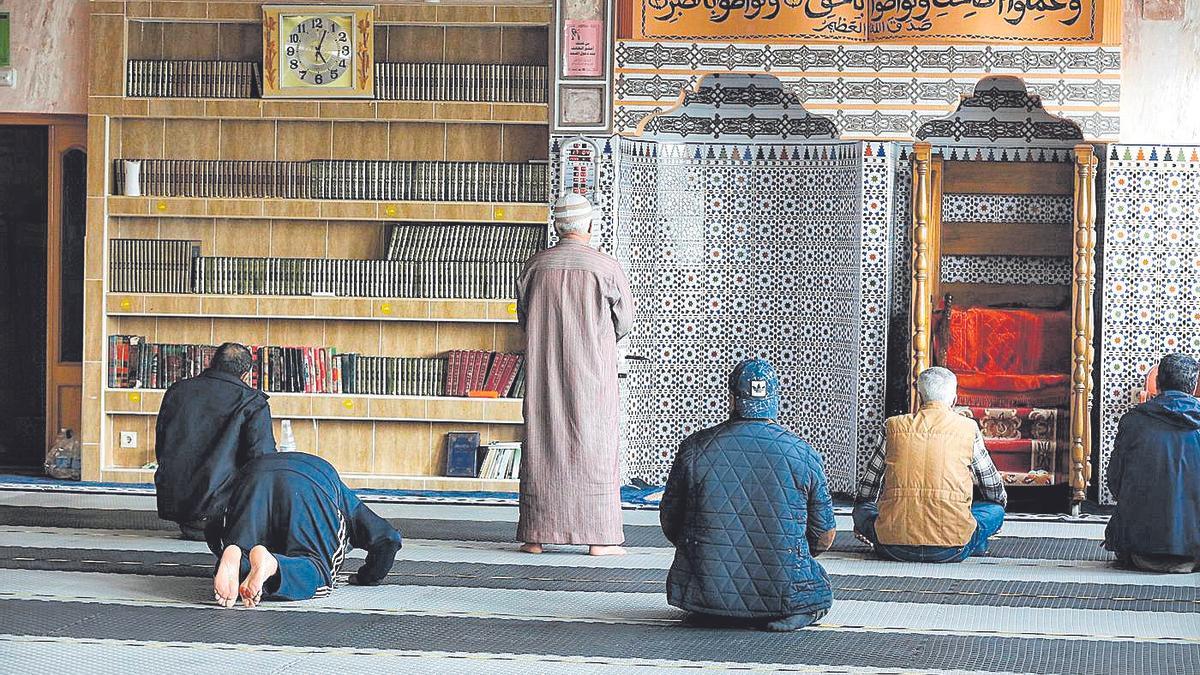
{"type": "Point", "coordinates": [574, 304]}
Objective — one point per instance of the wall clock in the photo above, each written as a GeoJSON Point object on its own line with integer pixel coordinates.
{"type": "Point", "coordinates": [318, 51]}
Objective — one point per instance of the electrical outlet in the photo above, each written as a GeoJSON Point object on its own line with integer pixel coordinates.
{"type": "Point", "coordinates": [128, 439]}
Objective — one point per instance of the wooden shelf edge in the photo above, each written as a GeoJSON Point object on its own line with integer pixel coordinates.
{"type": "Point", "coordinates": [310, 307]}
{"type": "Point", "coordinates": [432, 112]}
{"type": "Point", "coordinates": [281, 394]}
{"type": "Point", "coordinates": [519, 213]}
{"type": "Point", "coordinates": [381, 480]}
{"type": "Point", "coordinates": [346, 418]}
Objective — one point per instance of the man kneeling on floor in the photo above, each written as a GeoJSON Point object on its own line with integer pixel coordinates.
{"type": "Point", "coordinates": [289, 524]}
{"type": "Point", "coordinates": [747, 508]}
{"type": "Point", "coordinates": [208, 427]}
{"type": "Point", "coordinates": [1154, 472]}
{"type": "Point", "coordinates": [927, 464]}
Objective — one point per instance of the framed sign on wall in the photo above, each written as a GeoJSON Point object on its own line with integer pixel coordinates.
{"type": "Point", "coordinates": [582, 68]}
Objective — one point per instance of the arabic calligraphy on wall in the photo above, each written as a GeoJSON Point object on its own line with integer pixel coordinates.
{"type": "Point", "coordinates": [1076, 21]}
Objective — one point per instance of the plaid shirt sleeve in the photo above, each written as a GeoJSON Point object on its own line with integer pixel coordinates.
{"type": "Point", "coordinates": [872, 479]}
{"type": "Point", "coordinates": [986, 476]}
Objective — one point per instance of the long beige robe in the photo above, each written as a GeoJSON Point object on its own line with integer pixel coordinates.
{"type": "Point", "coordinates": [574, 304]}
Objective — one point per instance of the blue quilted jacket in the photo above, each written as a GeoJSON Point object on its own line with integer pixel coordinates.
{"type": "Point", "coordinates": [742, 503]}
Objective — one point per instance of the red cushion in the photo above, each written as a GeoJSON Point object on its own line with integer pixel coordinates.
{"type": "Point", "coordinates": [1009, 342]}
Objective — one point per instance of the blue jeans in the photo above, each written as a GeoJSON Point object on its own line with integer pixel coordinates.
{"type": "Point", "coordinates": [989, 516]}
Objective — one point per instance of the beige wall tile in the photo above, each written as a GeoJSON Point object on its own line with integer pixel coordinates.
{"type": "Point", "coordinates": [473, 142]}
{"type": "Point", "coordinates": [294, 306]}
{"type": "Point", "coordinates": [241, 237]}
{"type": "Point", "coordinates": [524, 142]}
{"type": "Point", "coordinates": [298, 141]}
{"type": "Point", "coordinates": [106, 41]}
{"type": "Point", "coordinates": [412, 13]}
{"type": "Point", "coordinates": [507, 432]}
{"type": "Point", "coordinates": [405, 338]}
{"type": "Point", "coordinates": [472, 45]}
{"type": "Point", "coordinates": [360, 140]}
{"type": "Point", "coordinates": [246, 11]}
{"type": "Point", "coordinates": [303, 431]}
{"type": "Point", "coordinates": [129, 457]}
{"type": "Point", "coordinates": [296, 333]}
{"type": "Point", "coordinates": [465, 336]}
{"type": "Point", "coordinates": [189, 40]}
{"type": "Point", "coordinates": [229, 305]}
{"type": "Point", "coordinates": [465, 13]}
{"type": "Point", "coordinates": [173, 304]}
{"type": "Point", "coordinates": [199, 229]}
{"type": "Point", "coordinates": [142, 139]}
{"type": "Point", "coordinates": [298, 405]}
{"type": "Point", "coordinates": [245, 331]}
{"type": "Point", "coordinates": [400, 408]}
{"type": "Point", "coordinates": [343, 307]}
{"type": "Point", "coordinates": [145, 326]}
{"type": "Point", "coordinates": [179, 10]}
{"type": "Point", "coordinates": [346, 445]}
{"type": "Point", "coordinates": [145, 40]}
{"type": "Point", "coordinates": [239, 41]}
{"type": "Point", "coordinates": [509, 338]}
{"type": "Point", "coordinates": [413, 140]}
{"type": "Point", "coordinates": [525, 45]}
{"type": "Point", "coordinates": [185, 331]}
{"type": "Point", "coordinates": [353, 336]}
{"type": "Point", "coordinates": [356, 241]}
{"type": "Point", "coordinates": [247, 139]}
{"type": "Point", "coordinates": [403, 449]}
{"type": "Point", "coordinates": [90, 461]}
{"type": "Point", "coordinates": [298, 238]}
{"type": "Point", "coordinates": [333, 405]}
{"type": "Point", "coordinates": [415, 44]}
{"type": "Point", "coordinates": [192, 139]}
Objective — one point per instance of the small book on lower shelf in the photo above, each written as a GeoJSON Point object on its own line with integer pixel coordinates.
{"type": "Point", "coordinates": [501, 461]}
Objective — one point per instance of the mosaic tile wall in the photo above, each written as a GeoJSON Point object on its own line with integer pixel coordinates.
{"type": "Point", "coordinates": [877, 91]}
{"type": "Point", "coordinates": [1150, 286]}
{"type": "Point", "coordinates": [733, 255]}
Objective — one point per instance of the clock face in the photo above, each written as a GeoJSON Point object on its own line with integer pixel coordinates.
{"type": "Point", "coordinates": [317, 50]}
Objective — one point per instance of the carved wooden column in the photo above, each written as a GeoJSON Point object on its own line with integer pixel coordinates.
{"type": "Point", "coordinates": [1082, 289]}
{"type": "Point", "coordinates": [920, 310]}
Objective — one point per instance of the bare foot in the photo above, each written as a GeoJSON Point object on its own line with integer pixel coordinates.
{"type": "Point", "coordinates": [605, 550]}
{"type": "Point", "coordinates": [531, 548]}
{"type": "Point", "coordinates": [225, 581]}
{"type": "Point", "coordinates": [263, 566]}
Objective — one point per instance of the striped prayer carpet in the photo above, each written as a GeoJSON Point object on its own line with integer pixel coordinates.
{"type": "Point", "coordinates": [94, 583]}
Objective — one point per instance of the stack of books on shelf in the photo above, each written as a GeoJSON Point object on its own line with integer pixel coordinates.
{"type": "Point", "coordinates": [151, 265]}
{"type": "Point", "coordinates": [193, 79]}
{"type": "Point", "coordinates": [464, 260]}
{"type": "Point", "coordinates": [496, 83]}
{"type": "Point", "coordinates": [217, 178]}
{"type": "Point", "coordinates": [434, 181]}
{"type": "Point", "coordinates": [501, 461]}
{"type": "Point", "coordinates": [476, 371]}
{"type": "Point", "coordinates": [343, 179]}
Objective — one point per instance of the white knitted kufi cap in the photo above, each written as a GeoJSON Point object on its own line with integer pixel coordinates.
{"type": "Point", "coordinates": [572, 208]}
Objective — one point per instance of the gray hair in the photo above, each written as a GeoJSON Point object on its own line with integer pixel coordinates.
{"type": "Point", "coordinates": [937, 384]}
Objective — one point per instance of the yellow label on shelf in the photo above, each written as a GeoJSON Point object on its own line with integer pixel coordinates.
{"type": "Point", "coordinates": [134, 397]}
{"type": "Point", "coordinates": [512, 308]}
{"type": "Point", "coordinates": [348, 404]}
{"type": "Point", "coordinates": [498, 212]}
{"type": "Point", "coordinates": [126, 304]}
{"type": "Point", "coordinates": [385, 308]}
{"type": "Point", "coordinates": [161, 205]}
{"type": "Point", "coordinates": [390, 210]}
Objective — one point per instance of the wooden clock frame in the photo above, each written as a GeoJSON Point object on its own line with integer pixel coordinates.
{"type": "Point", "coordinates": [363, 28]}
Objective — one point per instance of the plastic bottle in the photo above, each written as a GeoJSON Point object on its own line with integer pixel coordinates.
{"type": "Point", "coordinates": [287, 442]}
{"type": "Point", "coordinates": [63, 457]}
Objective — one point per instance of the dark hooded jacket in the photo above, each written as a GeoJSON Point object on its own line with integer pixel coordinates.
{"type": "Point", "coordinates": [209, 426]}
{"type": "Point", "coordinates": [742, 504]}
{"type": "Point", "coordinates": [1154, 472]}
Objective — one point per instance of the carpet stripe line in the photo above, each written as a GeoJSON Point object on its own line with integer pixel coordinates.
{"type": "Point", "coordinates": [1049, 635]}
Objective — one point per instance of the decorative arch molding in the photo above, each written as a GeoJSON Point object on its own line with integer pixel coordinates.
{"type": "Point", "coordinates": [1001, 113]}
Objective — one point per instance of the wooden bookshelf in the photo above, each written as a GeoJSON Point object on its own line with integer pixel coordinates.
{"type": "Point", "coordinates": [310, 307]}
{"type": "Point", "coordinates": [375, 441]}
{"type": "Point", "coordinates": [328, 209]}
{"type": "Point", "coordinates": [341, 111]}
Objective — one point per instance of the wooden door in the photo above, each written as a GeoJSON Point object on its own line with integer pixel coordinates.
{"type": "Point", "coordinates": [64, 276]}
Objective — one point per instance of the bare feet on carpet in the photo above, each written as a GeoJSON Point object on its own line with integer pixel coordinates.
{"type": "Point", "coordinates": [606, 550]}
{"type": "Point", "coordinates": [263, 566]}
{"type": "Point", "coordinates": [531, 548]}
{"type": "Point", "coordinates": [225, 581]}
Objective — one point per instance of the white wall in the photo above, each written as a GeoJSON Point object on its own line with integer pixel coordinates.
{"type": "Point", "coordinates": [1160, 81]}
{"type": "Point", "coordinates": [49, 49]}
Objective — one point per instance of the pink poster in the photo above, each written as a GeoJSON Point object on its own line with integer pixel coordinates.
{"type": "Point", "coordinates": [582, 45]}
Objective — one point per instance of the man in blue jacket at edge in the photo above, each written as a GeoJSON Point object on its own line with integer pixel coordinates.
{"type": "Point", "coordinates": [747, 508]}
{"type": "Point", "coordinates": [1154, 472]}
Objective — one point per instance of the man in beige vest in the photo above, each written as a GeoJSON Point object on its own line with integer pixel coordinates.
{"type": "Point", "coordinates": [925, 469]}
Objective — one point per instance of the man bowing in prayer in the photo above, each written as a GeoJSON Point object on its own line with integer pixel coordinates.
{"type": "Point", "coordinates": [574, 304]}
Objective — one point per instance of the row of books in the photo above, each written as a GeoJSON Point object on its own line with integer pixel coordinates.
{"type": "Point", "coordinates": [134, 362]}
{"type": "Point", "coordinates": [463, 242]}
{"type": "Point", "coordinates": [488, 82]}
{"type": "Point", "coordinates": [501, 461]}
{"type": "Point", "coordinates": [193, 79]}
{"type": "Point", "coordinates": [340, 179]}
{"type": "Point", "coordinates": [430, 181]}
{"type": "Point", "coordinates": [151, 265]}
{"type": "Point", "coordinates": [471, 370]}
{"type": "Point", "coordinates": [356, 278]}
{"type": "Point", "coordinates": [216, 178]}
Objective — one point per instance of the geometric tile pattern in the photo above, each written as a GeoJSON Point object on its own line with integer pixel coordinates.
{"type": "Point", "coordinates": [1005, 269]}
{"type": "Point", "coordinates": [1002, 112]}
{"type": "Point", "coordinates": [877, 91]}
{"type": "Point", "coordinates": [1150, 284]}
{"type": "Point", "coordinates": [994, 208]}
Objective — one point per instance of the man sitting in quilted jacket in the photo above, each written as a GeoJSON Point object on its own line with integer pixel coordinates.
{"type": "Point", "coordinates": [747, 508]}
